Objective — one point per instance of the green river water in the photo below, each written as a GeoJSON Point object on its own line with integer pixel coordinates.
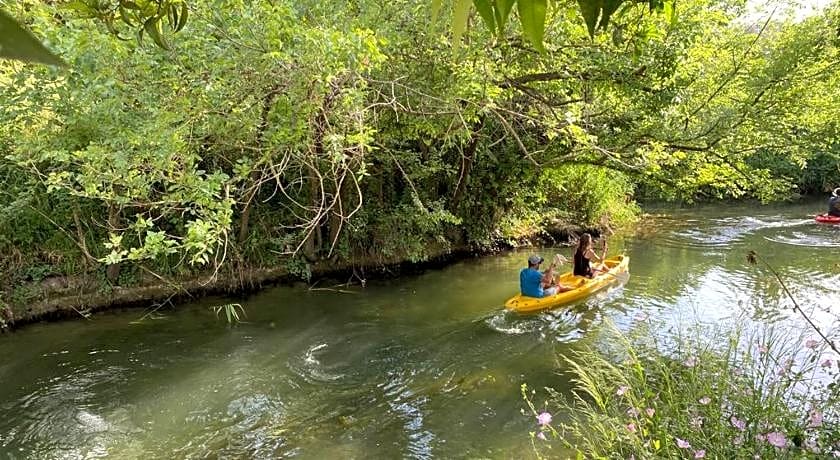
{"type": "Point", "coordinates": [425, 366]}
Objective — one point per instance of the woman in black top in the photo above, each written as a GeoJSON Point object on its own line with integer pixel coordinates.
{"type": "Point", "coordinates": [584, 254]}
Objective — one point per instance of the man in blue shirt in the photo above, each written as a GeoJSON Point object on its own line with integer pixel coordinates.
{"type": "Point", "coordinates": [531, 280]}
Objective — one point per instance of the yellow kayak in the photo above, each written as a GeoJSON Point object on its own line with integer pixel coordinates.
{"type": "Point", "coordinates": [581, 287]}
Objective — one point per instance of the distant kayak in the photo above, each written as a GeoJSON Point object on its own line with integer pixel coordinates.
{"type": "Point", "coordinates": [582, 287]}
{"type": "Point", "coordinates": [826, 219]}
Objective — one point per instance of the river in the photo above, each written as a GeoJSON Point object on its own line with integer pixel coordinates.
{"type": "Point", "coordinates": [421, 366]}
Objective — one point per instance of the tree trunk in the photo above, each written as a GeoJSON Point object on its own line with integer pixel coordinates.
{"type": "Point", "coordinates": [268, 101]}
{"type": "Point", "coordinates": [467, 161]}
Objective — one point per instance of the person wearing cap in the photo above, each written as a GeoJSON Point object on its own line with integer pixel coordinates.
{"type": "Point", "coordinates": [533, 283]}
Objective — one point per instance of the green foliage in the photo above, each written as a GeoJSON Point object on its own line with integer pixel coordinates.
{"type": "Point", "coordinates": [275, 132]}
{"type": "Point", "coordinates": [588, 195]}
{"type": "Point", "coordinates": [299, 268]}
{"type": "Point", "coordinates": [410, 230]}
{"type": "Point", "coordinates": [141, 16]}
{"type": "Point", "coordinates": [761, 395]}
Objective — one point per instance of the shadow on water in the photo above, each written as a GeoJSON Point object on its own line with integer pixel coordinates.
{"type": "Point", "coordinates": [419, 367]}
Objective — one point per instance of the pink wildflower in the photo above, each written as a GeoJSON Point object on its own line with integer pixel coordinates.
{"type": "Point", "coordinates": [760, 438]}
{"type": "Point", "coordinates": [811, 343]}
{"type": "Point", "coordinates": [650, 411]}
{"type": "Point", "coordinates": [544, 418]}
{"type": "Point", "coordinates": [705, 400]}
{"type": "Point", "coordinates": [633, 412]}
{"type": "Point", "coordinates": [737, 423]}
{"type": "Point", "coordinates": [622, 390]}
{"type": "Point", "coordinates": [690, 362]}
{"type": "Point", "coordinates": [700, 453]}
{"type": "Point", "coordinates": [777, 439]}
{"type": "Point", "coordinates": [738, 440]}
{"type": "Point", "coordinates": [541, 436]}
{"type": "Point", "coordinates": [682, 443]}
{"type": "Point", "coordinates": [631, 427]}
{"type": "Point", "coordinates": [762, 349]}
{"type": "Point", "coordinates": [815, 419]}
{"type": "Point", "coordinates": [826, 363]}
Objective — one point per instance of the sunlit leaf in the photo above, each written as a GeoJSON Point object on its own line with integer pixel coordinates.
{"type": "Point", "coordinates": [460, 14]}
{"type": "Point", "coordinates": [532, 16]}
{"type": "Point", "coordinates": [17, 43]}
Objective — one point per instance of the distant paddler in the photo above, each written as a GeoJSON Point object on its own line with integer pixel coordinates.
{"type": "Point", "coordinates": [533, 283]}
{"type": "Point", "coordinates": [834, 203]}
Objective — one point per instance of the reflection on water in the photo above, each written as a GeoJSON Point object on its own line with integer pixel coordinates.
{"type": "Point", "coordinates": [421, 367]}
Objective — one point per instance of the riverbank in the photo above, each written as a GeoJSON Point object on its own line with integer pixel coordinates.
{"type": "Point", "coordinates": [78, 296]}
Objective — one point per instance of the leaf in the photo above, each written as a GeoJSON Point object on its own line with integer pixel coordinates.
{"type": "Point", "coordinates": [173, 16]}
{"type": "Point", "coordinates": [460, 14]}
{"type": "Point", "coordinates": [607, 9]}
{"type": "Point", "coordinates": [503, 8]}
{"type": "Point", "coordinates": [597, 13]}
{"type": "Point", "coordinates": [152, 27]}
{"type": "Point", "coordinates": [124, 16]}
{"type": "Point", "coordinates": [182, 18]}
{"type": "Point", "coordinates": [18, 43]}
{"type": "Point", "coordinates": [590, 10]}
{"type": "Point", "coordinates": [670, 9]}
{"type": "Point", "coordinates": [532, 17]}
{"type": "Point", "coordinates": [485, 9]}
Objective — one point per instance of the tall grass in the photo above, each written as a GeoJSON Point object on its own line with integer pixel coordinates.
{"type": "Point", "coordinates": [729, 395]}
